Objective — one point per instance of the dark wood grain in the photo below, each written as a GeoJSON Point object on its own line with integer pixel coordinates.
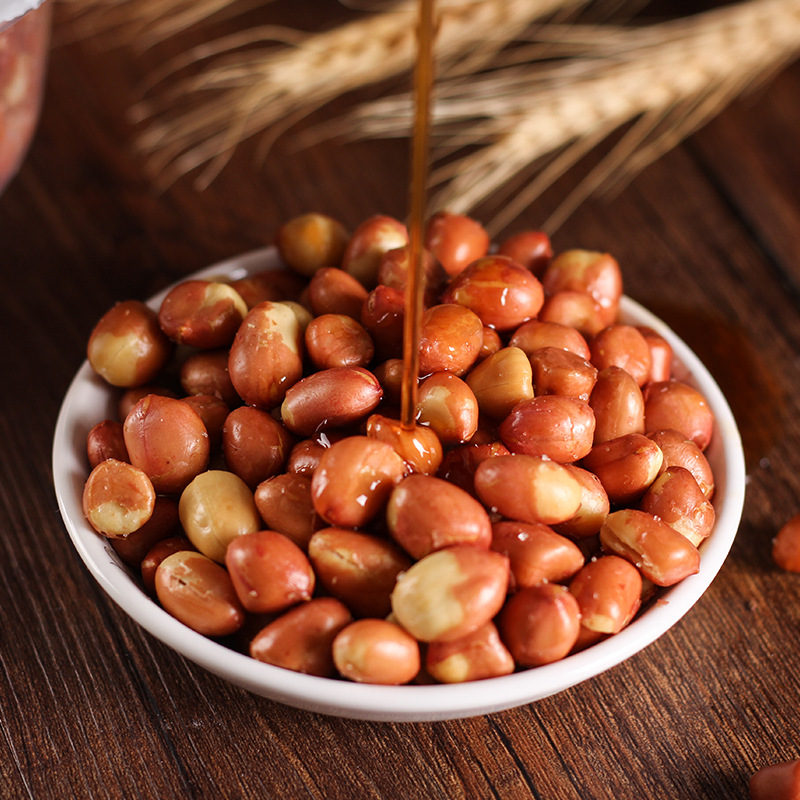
{"type": "Point", "coordinates": [91, 706]}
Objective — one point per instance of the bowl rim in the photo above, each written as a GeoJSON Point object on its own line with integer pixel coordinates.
{"type": "Point", "coordinates": [410, 703]}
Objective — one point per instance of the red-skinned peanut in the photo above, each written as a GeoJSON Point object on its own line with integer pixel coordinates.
{"type": "Point", "coordinates": [455, 240]}
{"type": "Point", "coordinates": [540, 624]}
{"type": "Point", "coordinates": [426, 513]}
{"type": "Point", "coordinates": [501, 292]}
{"type": "Point", "coordinates": [528, 489]}
{"type": "Point", "coordinates": [301, 639]}
{"type": "Point", "coordinates": [270, 573]}
{"type": "Point", "coordinates": [551, 426]}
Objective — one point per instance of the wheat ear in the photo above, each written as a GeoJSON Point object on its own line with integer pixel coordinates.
{"type": "Point", "coordinates": [255, 91]}
{"type": "Point", "coordinates": [669, 79]}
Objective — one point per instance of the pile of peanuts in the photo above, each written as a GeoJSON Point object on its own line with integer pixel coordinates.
{"type": "Point", "coordinates": [258, 478]}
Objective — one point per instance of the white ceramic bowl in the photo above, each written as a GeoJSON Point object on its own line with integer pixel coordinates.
{"type": "Point", "coordinates": [88, 401]}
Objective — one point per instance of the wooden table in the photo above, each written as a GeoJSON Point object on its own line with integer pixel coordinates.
{"type": "Point", "coordinates": [93, 707]}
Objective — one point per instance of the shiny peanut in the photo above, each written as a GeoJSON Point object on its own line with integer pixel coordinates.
{"type": "Point", "coordinates": [477, 656]}
{"type": "Point", "coordinates": [593, 508]}
{"type": "Point", "coordinates": [338, 397]}
{"type": "Point", "coordinates": [206, 373]}
{"type": "Point", "coordinates": [558, 371]}
{"type": "Point", "coordinates": [608, 590]}
{"type": "Point", "coordinates": [418, 446]}
{"type": "Point", "coordinates": [661, 554]}
{"type": "Point", "coordinates": [661, 355]}
{"type": "Point", "coordinates": [786, 545]}
{"type": "Point", "coordinates": [370, 240]}
{"type": "Point", "coordinates": [501, 292]}
{"type": "Point", "coordinates": [376, 651]}
{"type": "Point", "coordinates": [447, 404]}
{"type": "Point", "coordinates": [675, 404]}
{"type": "Point", "coordinates": [679, 451]}
{"type": "Point", "coordinates": [540, 624]}
{"type": "Point", "coordinates": [500, 381]}
{"type": "Point", "coordinates": [334, 291]}
{"type": "Point", "coordinates": [597, 274]}
{"type": "Point", "coordinates": [450, 593]}
{"type": "Point", "coordinates": [198, 592]}
{"type": "Point", "coordinates": [358, 568]}
{"type": "Point", "coordinates": [202, 313]}
{"type": "Point", "coordinates": [455, 240]}
{"type": "Point", "coordinates": [395, 266]}
{"type": "Point", "coordinates": [215, 508]}
{"type": "Point", "coordinates": [301, 639]}
{"type": "Point", "coordinates": [311, 241]}
{"type": "Point", "coordinates": [426, 513]}
{"type": "Point", "coordinates": [622, 346]}
{"type": "Point", "coordinates": [551, 426]}
{"type": "Point", "coordinates": [118, 498]}
{"type": "Point", "coordinates": [626, 466]}
{"type": "Point", "coordinates": [382, 316]}
{"type": "Point", "coordinates": [617, 403]}
{"type": "Point", "coordinates": [270, 573]}
{"type": "Point", "coordinates": [538, 333]}
{"type": "Point", "coordinates": [305, 455]}
{"type": "Point", "coordinates": [450, 339]}
{"type": "Point", "coordinates": [265, 358]}
{"type": "Point", "coordinates": [336, 340]}
{"type": "Point", "coordinates": [536, 553]}
{"type": "Point", "coordinates": [675, 498]}
{"type": "Point", "coordinates": [354, 479]}
{"type": "Point", "coordinates": [127, 346]}
{"type": "Point", "coordinates": [166, 439]}
{"type": "Point", "coordinates": [528, 489]}
{"type": "Point", "coordinates": [577, 310]}
{"type": "Point", "coordinates": [255, 445]}
{"type": "Point", "coordinates": [106, 440]}
{"type": "Point", "coordinates": [532, 249]}
{"type": "Point", "coordinates": [284, 503]}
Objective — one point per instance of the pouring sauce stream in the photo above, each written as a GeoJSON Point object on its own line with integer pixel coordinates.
{"type": "Point", "coordinates": [423, 85]}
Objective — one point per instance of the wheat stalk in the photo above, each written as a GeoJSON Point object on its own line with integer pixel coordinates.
{"type": "Point", "coordinates": [265, 91]}
{"type": "Point", "coordinates": [667, 79]}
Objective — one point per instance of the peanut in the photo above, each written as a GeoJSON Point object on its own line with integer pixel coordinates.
{"type": "Point", "coordinates": [301, 639]}
{"type": "Point", "coordinates": [500, 381]}
{"type": "Point", "coordinates": [360, 569]}
{"type": "Point", "coordinates": [540, 624]}
{"type": "Point", "coordinates": [425, 513]}
{"type": "Point", "coordinates": [528, 489]}
{"type": "Point", "coordinates": [270, 573]}
{"type": "Point", "coordinates": [662, 555]}
{"type": "Point", "coordinates": [118, 498]}
{"type": "Point", "coordinates": [376, 651]}
{"type": "Point", "coordinates": [198, 592]}
{"type": "Point", "coordinates": [476, 656]}
{"type": "Point", "coordinates": [450, 593]}
{"type": "Point", "coordinates": [551, 426]}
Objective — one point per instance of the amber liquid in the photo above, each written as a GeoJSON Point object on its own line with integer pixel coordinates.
{"type": "Point", "coordinates": [423, 85]}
